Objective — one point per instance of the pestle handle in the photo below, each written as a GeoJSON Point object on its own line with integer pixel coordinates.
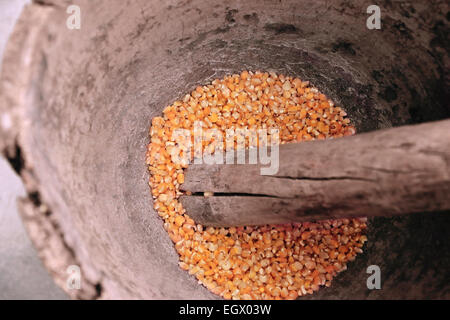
{"type": "Point", "coordinates": [386, 172]}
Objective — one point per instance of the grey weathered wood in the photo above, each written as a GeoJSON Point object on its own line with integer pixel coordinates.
{"type": "Point", "coordinates": [386, 172]}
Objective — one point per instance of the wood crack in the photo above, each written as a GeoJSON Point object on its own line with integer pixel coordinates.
{"type": "Point", "coordinates": [325, 178]}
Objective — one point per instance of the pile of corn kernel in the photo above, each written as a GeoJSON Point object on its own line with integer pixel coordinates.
{"type": "Point", "coordinates": [265, 262]}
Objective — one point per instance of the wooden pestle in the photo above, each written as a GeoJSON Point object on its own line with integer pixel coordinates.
{"type": "Point", "coordinates": [386, 172]}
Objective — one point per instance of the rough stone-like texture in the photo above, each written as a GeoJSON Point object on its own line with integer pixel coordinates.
{"type": "Point", "coordinates": [22, 274]}
{"type": "Point", "coordinates": [81, 102]}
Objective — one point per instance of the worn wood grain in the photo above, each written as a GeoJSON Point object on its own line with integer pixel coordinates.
{"type": "Point", "coordinates": [387, 172]}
